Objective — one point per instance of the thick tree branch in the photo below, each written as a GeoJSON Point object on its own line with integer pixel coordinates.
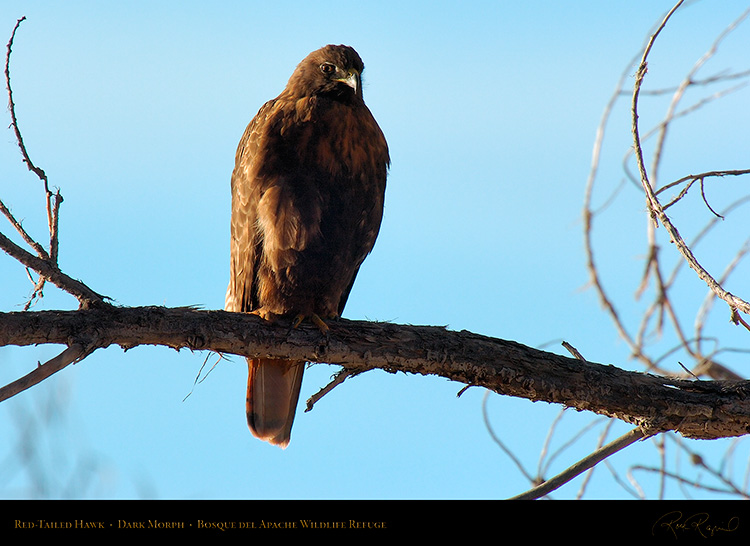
{"type": "Point", "coordinates": [696, 409]}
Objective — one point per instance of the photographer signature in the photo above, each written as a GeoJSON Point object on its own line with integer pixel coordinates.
{"type": "Point", "coordinates": [674, 523]}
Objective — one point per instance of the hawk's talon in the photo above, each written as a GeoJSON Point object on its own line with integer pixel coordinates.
{"type": "Point", "coordinates": [315, 319]}
{"type": "Point", "coordinates": [320, 323]}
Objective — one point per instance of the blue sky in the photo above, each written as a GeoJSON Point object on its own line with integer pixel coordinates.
{"type": "Point", "coordinates": [490, 110]}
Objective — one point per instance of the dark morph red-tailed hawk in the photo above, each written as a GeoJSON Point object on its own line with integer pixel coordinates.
{"type": "Point", "coordinates": [307, 201]}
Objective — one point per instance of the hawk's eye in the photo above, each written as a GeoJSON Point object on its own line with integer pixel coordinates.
{"type": "Point", "coordinates": [327, 68]}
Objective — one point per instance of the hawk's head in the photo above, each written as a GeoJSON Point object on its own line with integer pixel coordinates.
{"type": "Point", "coordinates": [333, 70]}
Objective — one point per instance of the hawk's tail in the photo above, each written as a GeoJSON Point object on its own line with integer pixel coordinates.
{"type": "Point", "coordinates": [272, 392]}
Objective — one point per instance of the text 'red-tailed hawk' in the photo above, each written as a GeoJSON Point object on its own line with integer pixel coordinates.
{"type": "Point", "coordinates": [307, 200]}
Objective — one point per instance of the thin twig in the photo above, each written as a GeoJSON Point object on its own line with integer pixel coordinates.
{"type": "Point", "coordinates": [39, 249]}
{"type": "Point", "coordinates": [338, 378]}
{"type": "Point", "coordinates": [590, 473]}
{"type": "Point", "coordinates": [12, 107]}
{"type": "Point", "coordinates": [655, 209]}
{"type": "Point", "coordinates": [691, 178]}
{"type": "Point", "coordinates": [50, 272]}
{"type": "Point", "coordinates": [45, 263]}
{"type": "Point", "coordinates": [70, 355]}
{"type": "Point", "coordinates": [500, 443]}
{"type": "Point", "coordinates": [583, 465]}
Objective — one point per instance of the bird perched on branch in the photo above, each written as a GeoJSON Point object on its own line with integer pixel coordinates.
{"type": "Point", "coordinates": [308, 188]}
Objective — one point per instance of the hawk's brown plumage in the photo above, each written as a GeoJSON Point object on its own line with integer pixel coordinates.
{"type": "Point", "coordinates": [307, 200]}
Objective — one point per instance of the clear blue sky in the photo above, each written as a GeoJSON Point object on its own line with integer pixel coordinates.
{"type": "Point", "coordinates": [490, 110]}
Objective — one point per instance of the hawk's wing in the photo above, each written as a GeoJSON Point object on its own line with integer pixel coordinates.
{"type": "Point", "coordinates": [242, 294]}
{"type": "Point", "coordinates": [273, 385]}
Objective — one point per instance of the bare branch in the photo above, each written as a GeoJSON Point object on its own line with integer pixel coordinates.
{"type": "Point", "coordinates": [583, 465]}
{"type": "Point", "coordinates": [52, 273]}
{"type": "Point", "coordinates": [24, 234]}
{"type": "Point", "coordinates": [338, 379]}
{"type": "Point", "coordinates": [45, 263]}
{"type": "Point", "coordinates": [696, 409]}
{"type": "Point", "coordinates": [501, 444]}
{"type": "Point", "coordinates": [692, 178]}
{"type": "Point", "coordinates": [72, 354]}
{"type": "Point", "coordinates": [655, 208]}
{"type": "Point", "coordinates": [12, 107]}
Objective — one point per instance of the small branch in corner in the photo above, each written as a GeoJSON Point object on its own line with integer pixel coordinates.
{"type": "Point", "coordinates": [338, 378]}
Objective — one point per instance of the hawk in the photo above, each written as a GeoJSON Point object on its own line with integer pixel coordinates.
{"type": "Point", "coordinates": [308, 189]}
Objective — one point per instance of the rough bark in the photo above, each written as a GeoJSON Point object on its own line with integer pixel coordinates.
{"type": "Point", "coordinates": [694, 408]}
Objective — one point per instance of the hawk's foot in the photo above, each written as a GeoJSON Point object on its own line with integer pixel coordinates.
{"type": "Point", "coordinates": [264, 314]}
{"type": "Point", "coordinates": [315, 319]}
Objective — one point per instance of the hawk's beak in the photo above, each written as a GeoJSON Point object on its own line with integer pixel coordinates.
{"type": "Point", "coordinates": [352, 79]}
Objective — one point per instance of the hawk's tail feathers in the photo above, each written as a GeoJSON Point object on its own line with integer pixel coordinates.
{"type": "Point", "coordinates": [272, 393]}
